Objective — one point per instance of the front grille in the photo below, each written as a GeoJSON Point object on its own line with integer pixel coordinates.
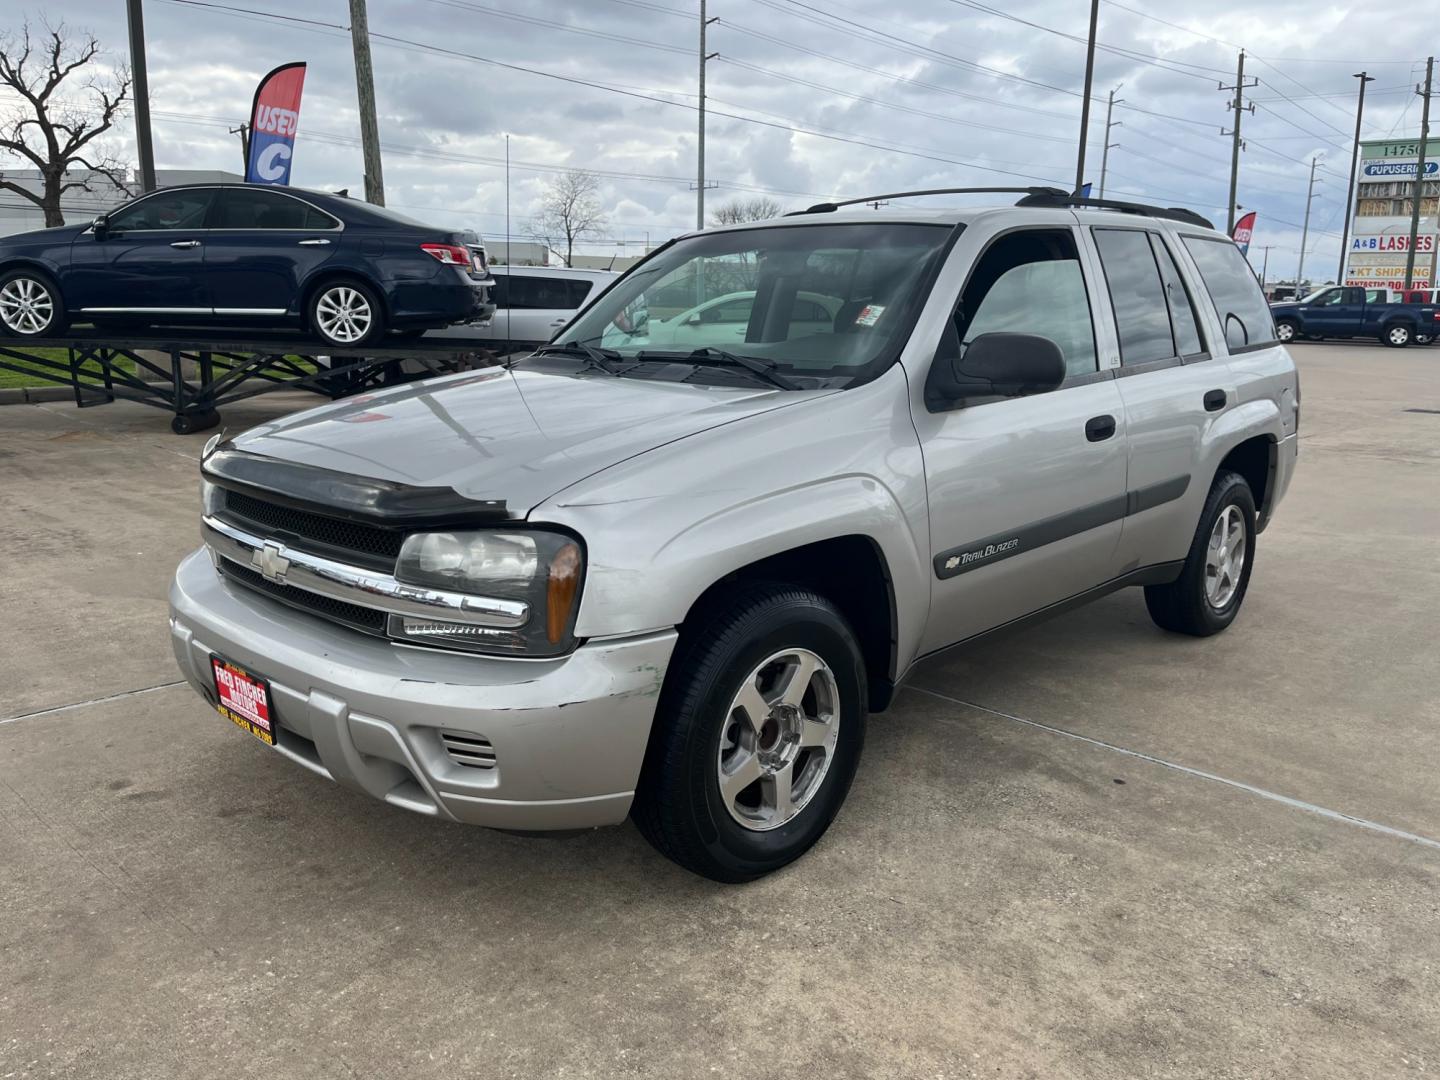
{"type": "Point", "coordinates": [472, 751]}
{"type": "Point", "coordinates": [361, 618]}
{"type": "Point", "coordinates": [336, 535]}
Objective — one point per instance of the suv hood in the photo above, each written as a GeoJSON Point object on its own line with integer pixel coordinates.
{"type": "Point", "coordinates": [518, 436]}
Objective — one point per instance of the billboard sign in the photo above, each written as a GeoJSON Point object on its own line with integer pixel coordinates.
{"type": "Point", "coordinates": [1405, 170]}
{"type": "Point", "coordinates": [274, 121]}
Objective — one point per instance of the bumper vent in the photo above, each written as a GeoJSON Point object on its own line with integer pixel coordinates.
{"type": "Point", "coordinates": [471, 751]}
{"type": "Point", "coordinates": [325, 535]}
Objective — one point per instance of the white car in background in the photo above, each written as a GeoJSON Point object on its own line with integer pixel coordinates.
{"type": "Point", "coordinates": [531, 304]}
{"type": "Point", "coordinates": [728, 316]}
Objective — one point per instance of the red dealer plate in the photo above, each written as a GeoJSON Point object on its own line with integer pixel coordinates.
{"type": "Point", "coordinates": [243, 699]}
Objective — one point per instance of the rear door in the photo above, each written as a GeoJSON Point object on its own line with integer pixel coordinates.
{"type": "Point", "coordinates": [149, 261]}
{"type": "Point", "coordinates": [264, 244]}
{"type": "Point", "coordinates": [1172, 386]}
{"type": "Point", "coordinates": [530, 308]}
{"type": "Point", "coordinates": [1026, 494]}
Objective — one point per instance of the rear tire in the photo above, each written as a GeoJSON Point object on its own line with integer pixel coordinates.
{"type": "Point", "coordinates": [1397, 336]}
{"type": "Point", "coordinates": [792, 657]}
{"type": "Point", "coordinates": [31, 305]}
{"type": "Point", "coordinates": [346, 314]}
{"type": "Point", "coordinates": [1207, 595]}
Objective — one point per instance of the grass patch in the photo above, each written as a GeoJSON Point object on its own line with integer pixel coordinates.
{"type": "Point", "coordinates": [90, 373]}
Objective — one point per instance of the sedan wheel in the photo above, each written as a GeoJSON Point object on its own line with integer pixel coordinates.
{"type": "Point", "coordinates": [27, 305]}
{"type": "Point", "coordinates": [345, 314]}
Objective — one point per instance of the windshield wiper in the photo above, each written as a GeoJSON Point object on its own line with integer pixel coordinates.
{"type": "Point", "coordinates": [594, 357]}
{"type": "Point", "coordinates": [710, 356]}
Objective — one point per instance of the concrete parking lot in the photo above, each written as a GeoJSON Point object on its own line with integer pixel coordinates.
{"type": "Point", "coordinates": [1087, 850]}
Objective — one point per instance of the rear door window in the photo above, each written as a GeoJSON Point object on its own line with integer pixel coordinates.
{"type": "Point", "coordinates": [246, 208]}
{"type": "Point", "coordinates": [1233, 290]}
{"type": "Point", "coordinates": [1183, 321]}
{"type": "Point", "coordinates": [524, 293]}
{"type": "Point", "coordinates": [1137, 295]}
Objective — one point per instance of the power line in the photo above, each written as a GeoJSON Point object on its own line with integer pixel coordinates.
{"type": "Point", "coordinates": [531, 20]}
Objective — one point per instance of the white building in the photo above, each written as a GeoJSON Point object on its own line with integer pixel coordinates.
{"type": "Point", "coordinates": [1383, 200]}
{"type": "Point", "coordinates": [18, 214]}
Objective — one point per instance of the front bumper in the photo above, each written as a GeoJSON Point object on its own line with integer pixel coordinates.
{"type": "Point", "coordinates": [568, 735]}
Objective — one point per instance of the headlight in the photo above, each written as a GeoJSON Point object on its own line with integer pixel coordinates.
{"type": "Point", "coordinates": [541, 569]}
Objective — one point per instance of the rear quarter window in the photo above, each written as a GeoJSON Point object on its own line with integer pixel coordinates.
{"type": "Point", "coordinates": [1244, 315]}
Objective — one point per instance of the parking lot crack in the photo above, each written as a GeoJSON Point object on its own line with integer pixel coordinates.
{"type": "Point", "coordinates": [1239, 785]}
{"type": "Point", "coordinates": [92, 701]}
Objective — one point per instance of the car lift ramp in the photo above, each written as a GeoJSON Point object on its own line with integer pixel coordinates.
{"type": "Point", "coordinates": [225, 370]}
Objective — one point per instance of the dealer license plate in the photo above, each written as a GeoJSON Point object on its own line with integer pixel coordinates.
{"type": "Point", "coordinates": [243, 699]}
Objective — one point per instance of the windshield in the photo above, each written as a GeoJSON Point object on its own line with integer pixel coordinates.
{"type": "Point", "coordinates": [832, 302]}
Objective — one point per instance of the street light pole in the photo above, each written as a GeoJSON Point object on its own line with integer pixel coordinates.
{"type": "Point", "coordinates": [700, 140]}
{"type": "Point", "coordinates": [1105, 152]}
{"type": "Point", "coordinates": [1354, 163]}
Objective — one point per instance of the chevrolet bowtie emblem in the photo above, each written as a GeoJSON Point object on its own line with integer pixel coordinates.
{"type": "Point", "coordinates": [271, 562]}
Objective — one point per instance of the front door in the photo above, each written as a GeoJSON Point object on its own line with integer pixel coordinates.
{"type": "Point", "coordinates": [1026, 494]}
{"type": "Point", "coordinates": [149, 260]}
{"type": "Point", "coordinates": [264, 245]}
{"type": "Point", "coordinates": [1335, 312]}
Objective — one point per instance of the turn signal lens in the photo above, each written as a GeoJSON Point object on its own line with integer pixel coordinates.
{"type": "Point", "coordinates": [560, 593]}
{"type": "Point", "coordinates": [449, 254]}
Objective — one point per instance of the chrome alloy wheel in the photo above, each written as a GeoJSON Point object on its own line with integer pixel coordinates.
{"type": "Point", "coordinates": [1225, 557]}
{"type": "Point", "coordinates": [26, 306]}
{"type": "Point", "coordinates": [779, 739]}
{"type": "Point", "coordinates": [344, 314]}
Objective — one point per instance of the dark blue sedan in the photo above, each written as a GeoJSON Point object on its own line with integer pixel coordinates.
{"type": "Point", "coordinates": [243, 256]}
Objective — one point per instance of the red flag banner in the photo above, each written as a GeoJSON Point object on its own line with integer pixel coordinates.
{"type": "Point", "coordinates": [274, 120]}
{"type": "Point", "coordinates": [1244, 229]}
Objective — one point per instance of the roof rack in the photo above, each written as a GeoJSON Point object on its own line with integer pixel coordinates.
{"type": "Point", "coordinates": [1031, 192]}
{"type": "Point", "coordinates": [1054, 197]}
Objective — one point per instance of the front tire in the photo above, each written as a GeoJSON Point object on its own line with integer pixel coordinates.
{"type": "Point", "coordinates": [757, 736]}
{"type": "Point", "coordinates": [31, 305]}
{"type": "Point", "coordinates": [346, 314]}
{"type": "Point", "coordinates": [1286, 331]}
{"type": "Point", "coordinates": [1398, 336]}
{"type": "Point", "coordinates": [1207, 595]}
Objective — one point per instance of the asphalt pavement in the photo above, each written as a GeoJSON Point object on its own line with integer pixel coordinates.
{"type": "Point", "coordinates": [1085, 850]}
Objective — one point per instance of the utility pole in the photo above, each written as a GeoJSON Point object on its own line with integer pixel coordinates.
{"type": "Point", "coordinates": [700, 140]}
{"type": "Point", "coordinates": [1238, 105]}
{"type": "Point", "coordinates": [141, 94]}
{"type": "Point", "coordinates": [1364, 78]}
{"type": "Point", "coordinates": [1305, 229]}
{"type": "Point", "coordinates": [1085, 100]}
{"type": "Point", "coordinates": [365, 88]}
{"type": "Point", "coordinates": [1105, 153]}
{"type": "Point", "coordinates": [1420, 182]}
{"type": "Point", "coordinates": [1265, 265]}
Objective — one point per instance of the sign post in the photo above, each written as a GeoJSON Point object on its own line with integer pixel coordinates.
{"type": "Point", "coordinates": [274, 121]}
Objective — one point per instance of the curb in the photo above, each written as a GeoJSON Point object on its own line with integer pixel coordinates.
{"type": "Point", "coordinates": [26, 395]}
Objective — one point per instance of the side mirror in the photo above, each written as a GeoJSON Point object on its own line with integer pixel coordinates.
{"type": "Point", "coordinates": [1006, 365]}
{"type": "Point", "coordinates": [101, 225]}
{"type": "Point", "coordinates": [694, 320]}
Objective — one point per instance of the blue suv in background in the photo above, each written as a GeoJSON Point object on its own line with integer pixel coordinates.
{"type": "Point", "coordinates": [244, 256]}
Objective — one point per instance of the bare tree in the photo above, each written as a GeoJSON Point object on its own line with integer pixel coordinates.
{"type": "Point", "coordinates": [739, 211]}
{"type": "Point", "coordinates": [570, 210]}
{"type": "Point", "coordinates": [58, 134]}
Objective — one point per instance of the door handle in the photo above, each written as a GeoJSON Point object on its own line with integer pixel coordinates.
{"type": "Point", "coordinates": [1214, 400]}
{"type": "Point", "coordinates": [186, 244]}
{"type": "Point", "coordinates": [1099, 428]}
{"type": "Point", "coordinates": [311, 243]}
{"type": "Point", "coordinates": [560, 322]}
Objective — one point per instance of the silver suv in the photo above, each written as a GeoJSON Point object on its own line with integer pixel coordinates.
{"type": "Point", "coordinates": [626, 576]}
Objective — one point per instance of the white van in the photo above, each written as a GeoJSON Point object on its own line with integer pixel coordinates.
{"type": "Point", "coordinates": [531, 303]}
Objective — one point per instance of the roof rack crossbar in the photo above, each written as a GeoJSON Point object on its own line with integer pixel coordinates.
{"type": "Point", "coordinates": [831, 207]}
{"type": "Point", "coordinates": [1057, 198]}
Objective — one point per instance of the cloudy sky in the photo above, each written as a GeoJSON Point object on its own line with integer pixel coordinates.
{"type": "Point", "coordinates": [809, 98]}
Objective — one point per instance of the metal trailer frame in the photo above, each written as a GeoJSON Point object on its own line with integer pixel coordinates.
{"type": "Point", "coordinates": [224, 368]}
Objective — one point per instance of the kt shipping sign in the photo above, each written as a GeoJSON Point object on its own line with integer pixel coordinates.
{"type": "Point", "coordinates": [274, 120]}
